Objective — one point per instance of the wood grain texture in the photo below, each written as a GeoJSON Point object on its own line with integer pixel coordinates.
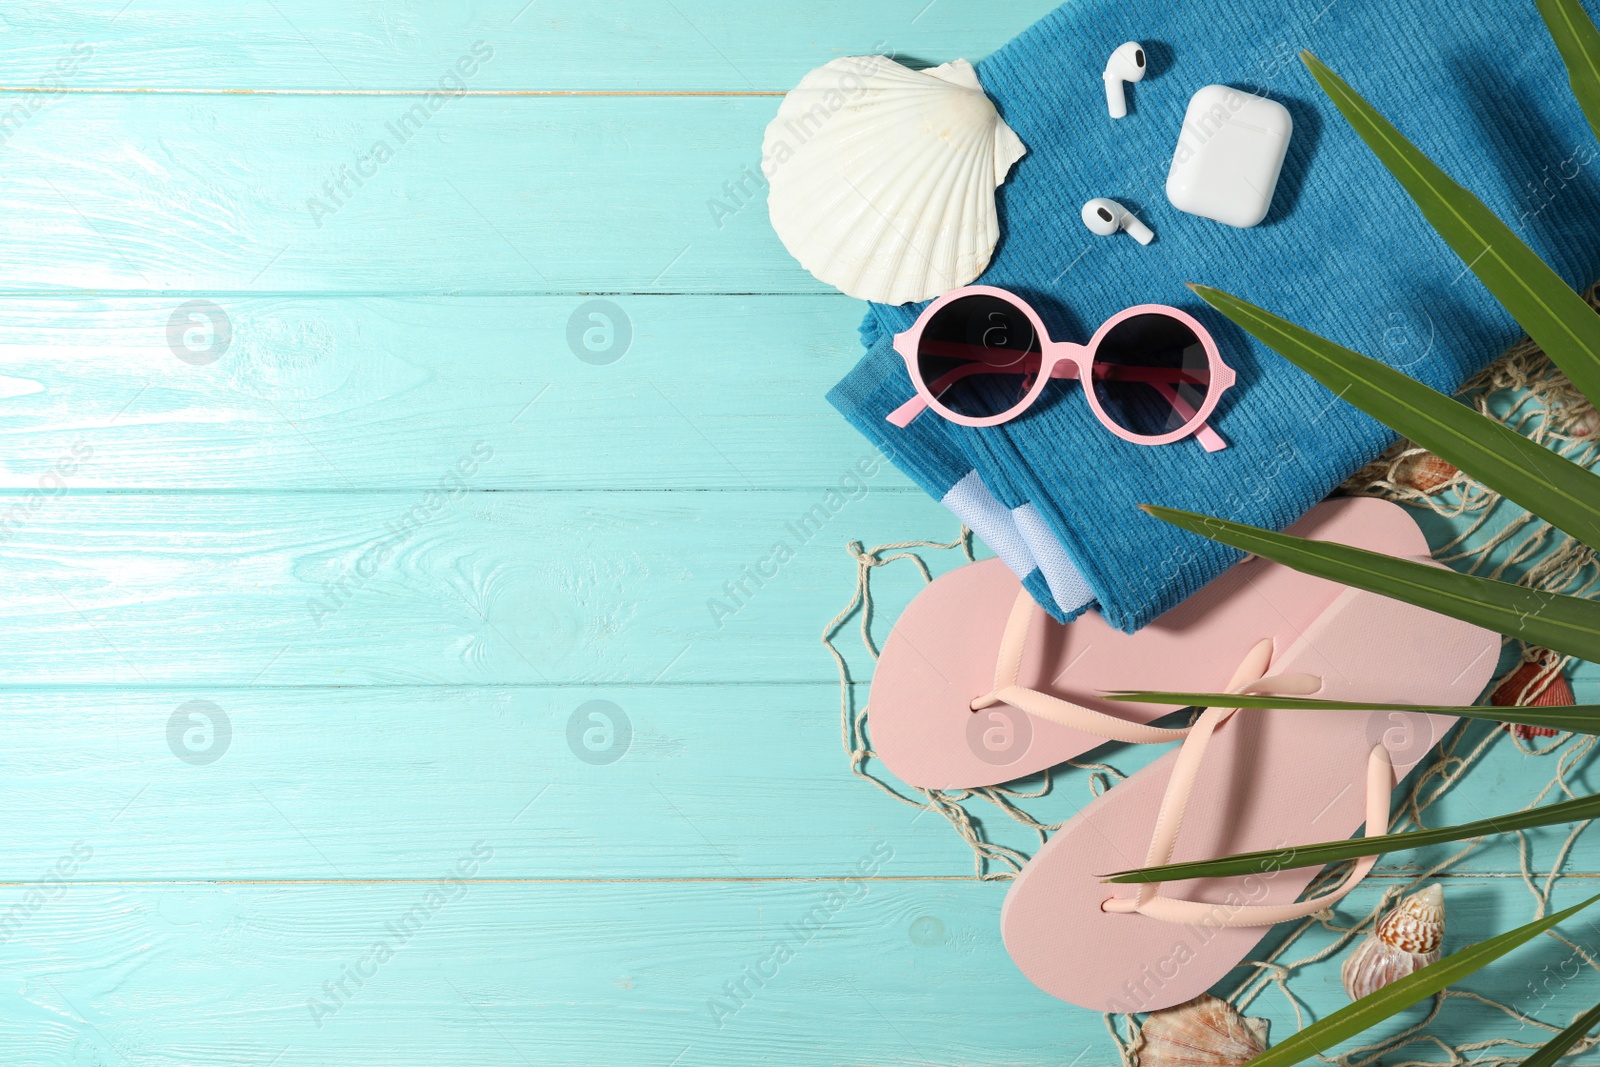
{"type": "Point", "coordinates": [684, 46]}
{"type": "Point", "coordinates": [441, 586]}
{"type": "Point", "coordinates": [580, 974]}
{"type": "Point", "coordinates": [316, 393]}
{"type": "Point", "coordinates": [668, 782]}
{"type": "Point", "coordinates": [591, 783]}
{"type": "Point", "coordinates": [237, 193]}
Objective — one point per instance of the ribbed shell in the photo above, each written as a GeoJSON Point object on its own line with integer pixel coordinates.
{"type": "Point", "coordinates": [1534, 684]}
{"type": "Point", "coordinates": [1204, 1032]}
{"type": "Point", "coordinates": [1406, 939]}
{"type": "Point", "coordinates": [882, 178]}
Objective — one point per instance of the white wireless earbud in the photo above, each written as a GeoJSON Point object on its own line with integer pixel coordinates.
{"type": "Point", "coordinates": [1106, 217]}
{"type": "Point", "coordinates": [1125, 65]}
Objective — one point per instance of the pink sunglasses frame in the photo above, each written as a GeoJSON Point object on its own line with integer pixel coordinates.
{"type": "Point", "coordinates": [1065, 359]}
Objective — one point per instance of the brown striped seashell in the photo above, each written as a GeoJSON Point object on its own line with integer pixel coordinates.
{"type": "Point", "coordinates": [1523, 687]}
{"type": "Point", "coordinates": [1424, 472]}
{"type": "Point", "coordinates": [1405, 940]}
{"type": "Point", "coordinates": [1203, 1032]}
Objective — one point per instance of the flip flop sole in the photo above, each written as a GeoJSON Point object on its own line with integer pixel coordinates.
{"type": "Point", "coordinates": [1270, 779]}
{"type": "Point", "coordinates": [941, 654]}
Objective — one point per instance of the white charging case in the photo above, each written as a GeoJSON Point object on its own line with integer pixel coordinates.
{"type": "Point", "coordinates": [1229, 155]}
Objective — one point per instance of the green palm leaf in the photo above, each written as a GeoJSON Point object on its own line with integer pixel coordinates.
{"type": "Point", "coordinates": [1557, 1046]}
{"type": "Point", "coordinates": [1576, 718]}
{"type": "Point", "coordinates": [1566, 624]}
{"type": "Point", "coordinates": [1555, 316]}
{"type": "Point", "coordinates": [1579, 44]}
{"type": "Point", "coordinates": [1395, 997]}
{"type": "Point", "coordinates": [1553, 487]}
{"type": "Point", "coordinates": [1324, 852]}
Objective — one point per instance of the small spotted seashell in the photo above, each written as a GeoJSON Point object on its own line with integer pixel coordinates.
{"type": "Point", "coordinates": [1204, 1032]}
{"type": "Point", "coordinates": [1523, 687]}
{"type": "Point", "coordinates": [1405, 940]}
{"type": "Point", "coordinates": [1424, 472]}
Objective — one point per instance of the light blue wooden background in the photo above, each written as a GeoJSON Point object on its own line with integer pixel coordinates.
{"type": "Point", "coordinates": [170, 524]}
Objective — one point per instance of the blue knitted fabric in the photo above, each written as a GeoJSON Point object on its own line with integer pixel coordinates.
{"type": "Point", "coordinates": [1344, 252]}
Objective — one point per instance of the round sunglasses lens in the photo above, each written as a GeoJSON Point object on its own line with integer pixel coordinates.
{"type": "Point", "coordinates": [979, 356]}
{"type": "Point", "coordinates": [1151, 375]}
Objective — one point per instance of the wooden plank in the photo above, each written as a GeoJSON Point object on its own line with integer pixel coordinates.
{"type": "Point", "coordinates": [376, 782]}
{"type": "Point", "coordinates": [688, 45]}
{"type": "Point", "coordinates": [620, 974]}
{"type": "Point", "coordinates": [555, 974]}
{"type": "Point", "coordinates": [378, 194]}
{"type": "Point", "coordinates": [597, 783]}
{"type": "Point", "coordinates": [444, 586]}
{"type": "Point", "coordinates": [291, 393]}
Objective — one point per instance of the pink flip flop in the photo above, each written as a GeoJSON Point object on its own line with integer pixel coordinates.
{"type": "Point", "coordinates": [977, 685]}
{"type": "Point", "coordinates": [1242, 781]}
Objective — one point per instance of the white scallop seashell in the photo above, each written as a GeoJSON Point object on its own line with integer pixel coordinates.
{"type": "Point", "coordinates": [1405, 940]}
{"type": "Point", "coordinates": [882, 178]}
{"type": "Point", "coordinates": [1204, 1032]}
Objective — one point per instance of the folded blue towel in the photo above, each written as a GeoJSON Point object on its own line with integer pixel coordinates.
{"type": "Point", "coordinates": [1344, 252]}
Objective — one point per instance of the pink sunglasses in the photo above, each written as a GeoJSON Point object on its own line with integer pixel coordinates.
{"type": "Point", "coordinates": [980, 356]}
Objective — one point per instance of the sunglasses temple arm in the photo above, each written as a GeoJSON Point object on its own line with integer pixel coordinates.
{"type": "Point", "coordinates": [1209, 439]}
{"type": "Point", "coordinates": [903, 415]}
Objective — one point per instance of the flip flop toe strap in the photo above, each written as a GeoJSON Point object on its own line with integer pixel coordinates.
{"type": "Point", "coordinates": [1237, 910]}
{"type": "Point", "coordinates": [1008, 668]}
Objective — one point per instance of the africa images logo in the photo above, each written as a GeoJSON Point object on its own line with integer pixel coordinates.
{"type": "Point", "coordinates": [337, 191]}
